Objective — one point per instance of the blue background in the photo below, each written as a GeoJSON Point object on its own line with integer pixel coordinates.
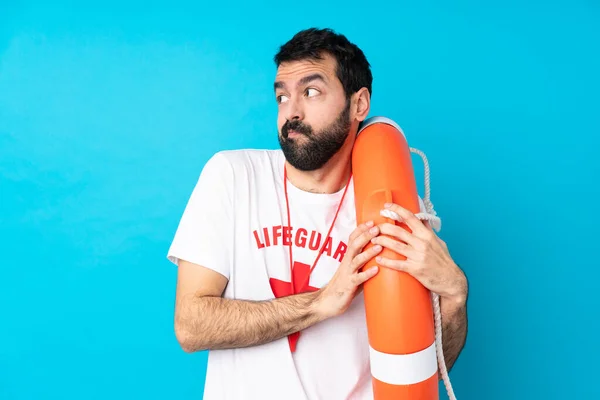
{"type": "Point", "coordinates": [109, 111]}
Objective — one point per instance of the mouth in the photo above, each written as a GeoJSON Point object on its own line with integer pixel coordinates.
{"type": "Point", "coordinates": [292, 134]}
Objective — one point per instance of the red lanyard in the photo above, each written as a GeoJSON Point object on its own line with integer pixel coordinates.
{"type": "Point", "coordinates": [287, 202]}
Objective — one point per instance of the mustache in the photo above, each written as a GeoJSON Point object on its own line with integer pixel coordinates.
{"type": "Point", "coordinates": [296, 126]}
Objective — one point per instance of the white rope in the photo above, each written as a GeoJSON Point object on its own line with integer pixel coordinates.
{"type": "Point", "coordinates": [435, 222]}
{"type": "Point", "coordinates": [439, 347]}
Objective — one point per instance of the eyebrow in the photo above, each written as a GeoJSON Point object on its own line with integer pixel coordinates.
{"type": "Point", "coordinates": [303, 81]}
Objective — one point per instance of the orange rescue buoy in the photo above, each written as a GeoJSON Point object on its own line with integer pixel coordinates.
{"type": "Point", "coordinates": [399, 314]}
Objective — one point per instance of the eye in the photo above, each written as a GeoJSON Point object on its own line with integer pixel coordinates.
{"type": "Point", "coordinates": [310, 92]}
{"type": "Point", "coordinates": [281, 98]}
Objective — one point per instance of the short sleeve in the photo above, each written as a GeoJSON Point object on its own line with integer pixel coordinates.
{"type": "Point", "coordinates": [205, 231]}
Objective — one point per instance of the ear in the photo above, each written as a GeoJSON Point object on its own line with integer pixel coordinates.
{"type": "Point", "coordinates": [361, 101]}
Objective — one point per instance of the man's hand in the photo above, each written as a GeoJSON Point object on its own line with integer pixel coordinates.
{"type": "Point", "coordinates": [346, 283]}
{"type": "Point", "coordinates": [428, 261]}
{"type": "Point", "coordinates": [427, 256]}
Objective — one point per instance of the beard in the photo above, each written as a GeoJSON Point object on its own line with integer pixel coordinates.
{"type": "Point", "coordinates": [313, 151]}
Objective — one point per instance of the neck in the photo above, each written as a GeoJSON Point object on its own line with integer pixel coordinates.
{"type": "Point", "coordinates": [330, 178]}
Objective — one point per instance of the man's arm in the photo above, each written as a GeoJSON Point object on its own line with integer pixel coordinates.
{"type": "Point", "coordinates": [454, 329]}
{"type": "Point", "coordinates": [204, 320]}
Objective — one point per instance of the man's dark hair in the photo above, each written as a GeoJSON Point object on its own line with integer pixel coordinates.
{"type": "Point", "coordinates": [353, 69]}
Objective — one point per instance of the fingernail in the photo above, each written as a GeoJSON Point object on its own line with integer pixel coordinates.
{"type": "Point", "coordinates": [387, 205]}
{"type": "Point", "coordinates": [378, 259]}
{"type": "Point", "coordinates": [369, 223]}
{"type": "Point", "coordinates": [377, 247]}
{"type": "Point", "coordinates": [373, 230]}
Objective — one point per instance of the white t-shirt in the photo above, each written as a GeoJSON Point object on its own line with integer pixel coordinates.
{"type": "Point", "coordinates": [234, 224]}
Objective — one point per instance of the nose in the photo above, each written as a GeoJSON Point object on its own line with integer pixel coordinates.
{"type": "Point", "coordinates": [294, 110]}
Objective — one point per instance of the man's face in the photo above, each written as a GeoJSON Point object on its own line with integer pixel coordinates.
{"type": "Point", "coordinates": [313, 116]}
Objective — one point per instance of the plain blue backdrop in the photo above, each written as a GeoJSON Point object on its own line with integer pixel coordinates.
{"type": "Point", "coordinates": [109, 110]}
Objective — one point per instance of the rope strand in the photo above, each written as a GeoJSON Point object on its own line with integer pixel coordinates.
{"type": "Point", "coordinates": [435, 221]}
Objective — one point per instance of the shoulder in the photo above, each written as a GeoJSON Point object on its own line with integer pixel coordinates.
{"type": "Point", "coordinates": [245, 162]}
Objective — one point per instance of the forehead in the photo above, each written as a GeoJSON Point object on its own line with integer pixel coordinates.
{"type": "Point", "coordinates": [292, 71]}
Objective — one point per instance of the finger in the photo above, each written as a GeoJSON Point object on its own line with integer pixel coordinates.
{"type": "Point", "coordinates": [360, 229]}
{"type": "Point", "coordinates": [418, 238]}
{"type": "Point", "coordinates": [399, 265]}
{"type": "Point", "coordinates": [399, 233]}
{"type": "Point", "coordinates": [430, 233]}
{"type": "Point", "coordinates": [398, 247]}
{"type": "Point", "coordinates": [364, 276]}
{"type": "Point", "coordinates": [356, 245]}
{"type": "Point", "coordinates": [414, 223]}
{"type": "Point", "coordinates": [444, 244]}
{"type": "Point", "coordinates": [364, 257]}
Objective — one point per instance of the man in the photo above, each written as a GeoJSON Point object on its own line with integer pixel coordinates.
{"type": "Point", "coordinates": [255, 215]}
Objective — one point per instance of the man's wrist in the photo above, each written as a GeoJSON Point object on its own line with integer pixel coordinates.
{"type": "Point", "coordinates": [318, 309]}
{"type": "Point", "coordinates": [457, 300]}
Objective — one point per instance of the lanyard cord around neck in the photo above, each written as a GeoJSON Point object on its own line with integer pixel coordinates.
{"type": "Point", "coordinates": [287, 203]}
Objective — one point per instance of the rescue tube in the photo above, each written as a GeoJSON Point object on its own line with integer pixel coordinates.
{"type": "Point", "coordinates": [400, 321]}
